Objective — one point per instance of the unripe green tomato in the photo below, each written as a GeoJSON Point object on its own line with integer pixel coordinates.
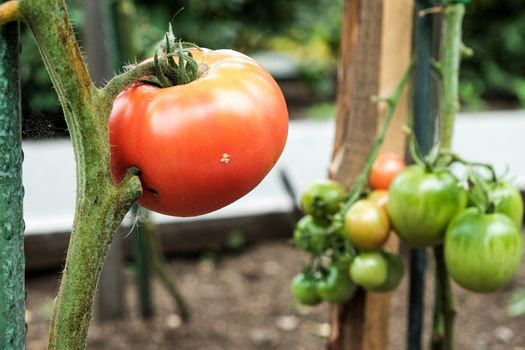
{"type": "Point", "coordinates": [367, 225]}
{"type": "Point", "coordinates": [482, 251]}
{"type": "Point", "coordinates": [395, 272]}
{"type": "Point", "coordinates": [322, 198]}
{"type": "Point", "coordinates": [336, 286]}
{"type": "Point", "coordinates": [369, 270]}
{"type": "Point", "coordinates": [310, 235]}
{"type": "Point", "coordinates": [421, 204]}
{"type": "Point", "coordinates": [304, 289]}
{"type": "Point", "coordinates": [508, 201]}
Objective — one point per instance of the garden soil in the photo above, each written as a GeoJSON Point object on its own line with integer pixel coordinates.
{"type": "Point", "coordinates": [242, 302]}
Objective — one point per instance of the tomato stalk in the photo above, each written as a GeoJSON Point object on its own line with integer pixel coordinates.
{"type": "Point", "coordinates": [100, 205]}
{"type": "Point", "coordinates": [362, 179]}
{"type": "Point", "coordinates": [444, 306]}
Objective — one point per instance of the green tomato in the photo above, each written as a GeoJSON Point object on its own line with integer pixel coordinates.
{"type": "Point", "coordinates": [310, 235]}
{"type": "Point", "coordinates": [336, 286]}
{"type": "Point", "coordinates": [369, 270]}
{"type": "Point", "coordinates": [304, 289]}
{"type": "Point", "coordinates": [395, 272]}
{"type": "Point", "coordinates": [421, 204]}
{"type": "Point", "coordinates": [322, 198]}
{"type": "Point", "coordinates": [508, 201]}
{"type": "Point", "coordinates": [482, 251]}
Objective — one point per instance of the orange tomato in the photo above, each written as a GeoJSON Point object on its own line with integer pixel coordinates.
{"type": "Point", "coordinates": [386, 167]}
{"type": "Point", "coordinates": [366, 225]}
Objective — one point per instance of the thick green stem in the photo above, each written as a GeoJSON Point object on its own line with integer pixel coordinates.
{"type": "Point", "coordinates": [101, 205]}
{"type": "Point", "coordinates": [451, 57]}
{"type": "Point", "coordinates": [12, 289]}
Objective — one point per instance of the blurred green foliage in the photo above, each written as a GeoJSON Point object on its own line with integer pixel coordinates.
{"type": "Point", "coordinates": [309, 31]}
{"type": "Point", "coordinates": [495, 30]}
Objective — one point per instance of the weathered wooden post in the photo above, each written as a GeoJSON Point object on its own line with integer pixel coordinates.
{"type": "Point", "coordinates": [375, 52]}
{"type": "Point", "coordinates": [12, 288]}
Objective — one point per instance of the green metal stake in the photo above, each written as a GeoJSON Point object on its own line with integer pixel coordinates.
{"type": "Point", "coordinates": [12, 288]}
{"type": "Point", "coordinates": [424, 132]}
{"type": "Point", "coordinates": [142, 265]}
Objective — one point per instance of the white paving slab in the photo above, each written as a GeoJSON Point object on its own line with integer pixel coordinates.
{"type": "Point", "coordinates": [496, 137]}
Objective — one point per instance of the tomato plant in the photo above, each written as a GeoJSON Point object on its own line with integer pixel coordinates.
{"type": "Point", "coordinates": [482, 251]}
{"type": "Point", "coordinates": [507, 200]}
{"type": "Point", "coordinates": [322, 198]}
{"type": "Point", "coordinates": [201, 145]}
{"type": "Point", "coordinates": [336, 286]}
{"type": "Point", "coordinates": [304, 289]}
{"type": "Point", "coordinates": [386, 167]}
{"type": "Point", "coordinates": [421, 203]}
{"type": "Point", "coordinates": [367, 225]}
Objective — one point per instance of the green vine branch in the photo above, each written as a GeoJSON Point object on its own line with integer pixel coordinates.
{"type": "Point", "coordinates": [392, 101]}
{"type": "Point", "coordinates": [442, 337]}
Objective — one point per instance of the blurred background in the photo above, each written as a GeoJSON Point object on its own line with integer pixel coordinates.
{"type": "Point", "coordinates": [234, 266]}
{"type": "Point", "coordinates": [298, 39]}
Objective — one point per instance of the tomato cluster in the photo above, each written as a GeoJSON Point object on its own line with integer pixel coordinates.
{"type": "Point", "coordinates": [477, 219]}
{"type": "Point", "coordinates": [345, 238]}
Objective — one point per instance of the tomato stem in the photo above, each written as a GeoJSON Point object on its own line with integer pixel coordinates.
{"type": "Point", "coordinates": [451, 57]}
{"type": "Point", "coordinates": [374, 150]}
{"type": "Point", "coordinates": [100, 204]}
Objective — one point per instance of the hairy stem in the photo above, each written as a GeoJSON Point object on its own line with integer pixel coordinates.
{"type": "Point", "coordinates": [100, 204]}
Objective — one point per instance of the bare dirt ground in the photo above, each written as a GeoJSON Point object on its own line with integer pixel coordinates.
{"type": "Point", "coordinates": [243, 302]}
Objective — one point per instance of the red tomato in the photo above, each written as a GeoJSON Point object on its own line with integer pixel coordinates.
{"type": "Point", "coordinates": [385, 169]}
{"type": "Point", "coordinates": [202, 145]}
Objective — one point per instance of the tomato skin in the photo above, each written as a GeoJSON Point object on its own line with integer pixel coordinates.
{"type": "Point", "coordinates": [384, 170]}
{"type": "Point", "coordinates": [421, 204]}
{"type": "Point", "coordinates": [202, 145]}
{"type": "Point", "coordinates": [395, 272]}
{"type": "Point", "coordinates": [310, 235]}
{"type": "Point", "coordinates": [336, 286]}
{"type": "Point", "coordinates": [369, 270]}
{"type": "Point", "coordinates": [367, 225]}
{"type": "Point", "coordinates": [322, 198]}
{"type": "Point", "coordinates": [508, 201]}
{"type": "Point", "coordinates": [304, 289]}
{"type": "Point", "coordinates": [482, 251]}
{"type": "Point", "coordinates": [380, 198]}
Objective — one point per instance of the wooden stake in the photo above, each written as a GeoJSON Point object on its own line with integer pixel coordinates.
{"type": "Point", "coordinates": [375, 52]}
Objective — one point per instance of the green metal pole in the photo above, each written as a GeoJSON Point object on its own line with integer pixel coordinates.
{"type": "Point", "coordinates": [424, 131]}
{"type": "Point", "coordinates": [12, 288]}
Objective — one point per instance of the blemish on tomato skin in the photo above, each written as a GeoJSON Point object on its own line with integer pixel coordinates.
{"type": "Point", "coordinates": [225, 158]}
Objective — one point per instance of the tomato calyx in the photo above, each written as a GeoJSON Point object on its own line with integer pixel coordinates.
{"type": "Point", "coordinates": [171, 72]}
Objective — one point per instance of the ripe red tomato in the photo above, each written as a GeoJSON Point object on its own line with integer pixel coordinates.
{"type": "Point", "coordinates": [385, 169]}
{"type": "Point", "coordinates": [202, 145]}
